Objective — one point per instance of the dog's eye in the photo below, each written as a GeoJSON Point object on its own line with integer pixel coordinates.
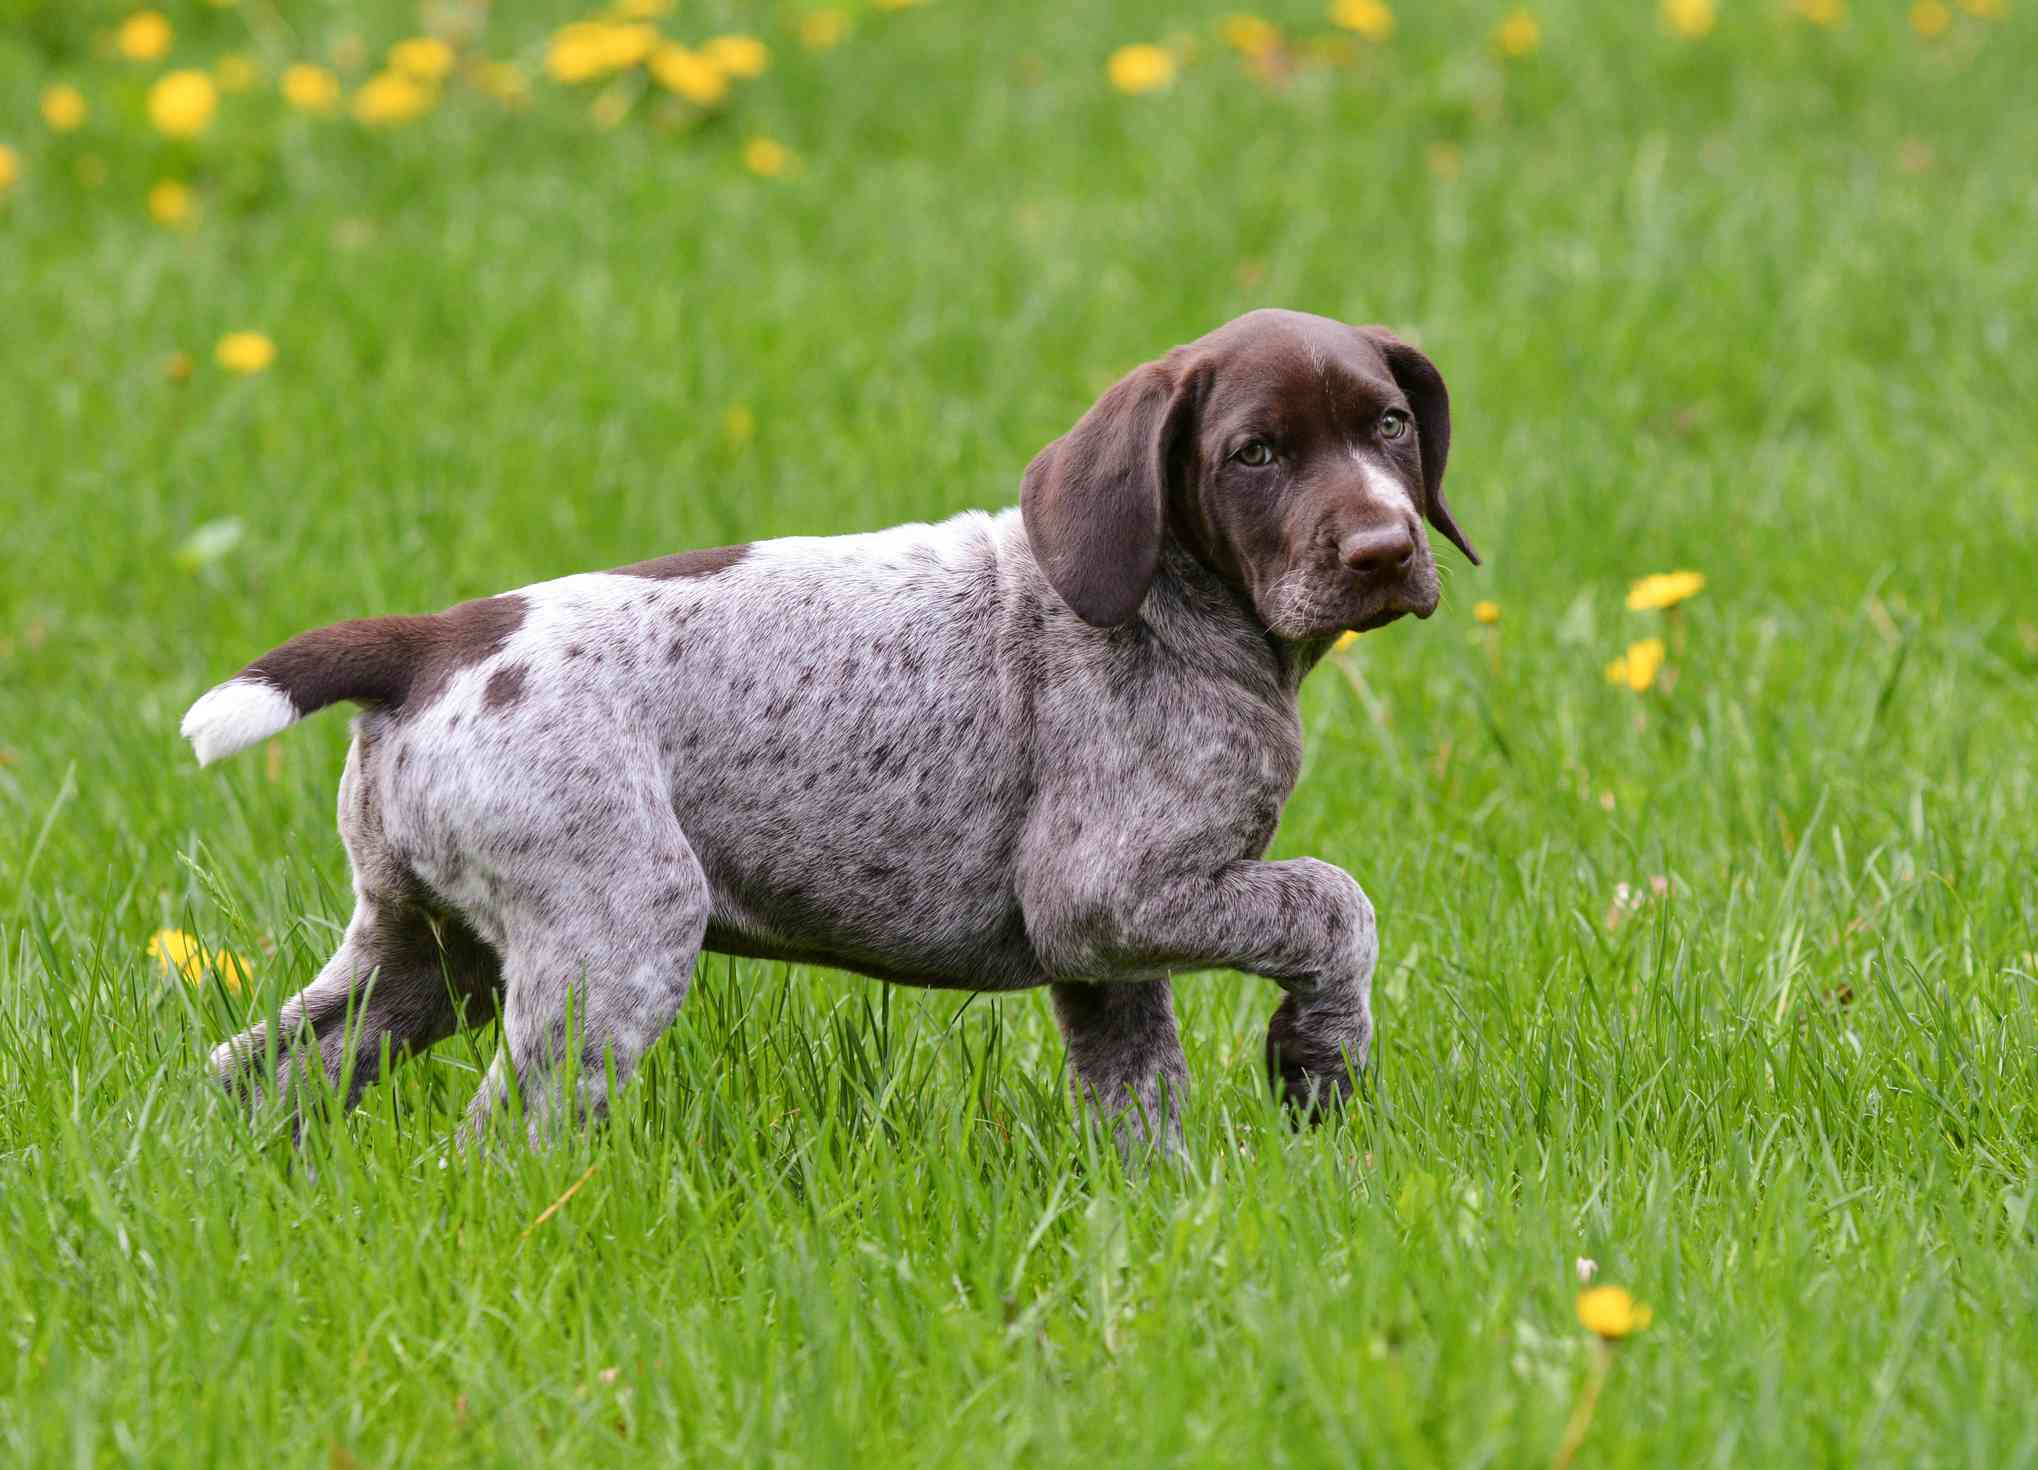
{"type": "Point", "coordinates": [1393, 424]}
{"type": "Point", "coordinates": [1255, 453]}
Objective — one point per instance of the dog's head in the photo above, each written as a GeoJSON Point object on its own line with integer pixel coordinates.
{"type": "Point", "coordinates": [1295, 456]}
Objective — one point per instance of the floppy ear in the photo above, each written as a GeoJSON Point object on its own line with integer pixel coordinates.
{"type": "Point", "coordinates": [1095, 501]}
{"type": "Point", "coordinates": [1424, 385]}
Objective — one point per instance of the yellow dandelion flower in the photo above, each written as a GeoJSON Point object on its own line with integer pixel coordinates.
{"type": "Point", "coordinates": [767, 158]}
{"type": "Point", "coordinates": [181, 103]}
{"type": "Point", "coordinates": [1486, 612]}
{"type": "Point", "coordinates": [1518, 35]}
{"type": "Point", "coordinates": [64, 108]}
{"type": "Point", "coordinates": [1140, 68]}
{"type": "Point", "coordinates": [231, 969]}
{"type": "Point", "coordinates": [739, 425]}
{"type": "Point", "coordinates": [1612, 1312]}
{"type": "Point", "coordinates": [310, 88]}
{"type": "Point", "coordinates": [245, 353]}
{"type": "Point", "coordinates": [422, 58]}
{"type": "Point", "coordinates": [235, 73]}
{"type": "Point", "coordinates": [640, 9]}
{"type": "Point", "coordinates": [823, 30]}
{"type": "Point", "coordinates": [10, 168]}
{"type": "Point", "coordinates": [1250, 35]}
{"type": "Point", "coordinates": [1664, 589]}
{"type": "Point", "coordinates": [1346, 641]}
{"type": "Point", "coordinates": [503, 80]}
{"type": "Point", "coordinates": [582, 51]}
{"type": "Point", "coordinates": [1930, 18]}
{"type": "Point", "coordinates": [689, 74]}
{"type": "Point", "coordinates": [144, 36]}
{"type": "Point", "coordinates": [574, 54]}
{"type": "Point", "coordinates": [177, 953]}
{"type": "Point", "coordinates": [1637, 668]}
{"type": "Point", "coordinates": [738, 55]}
{"type": "Point", "coordinates": [628, 45]}
{"type": "Point", "coordinates": [389, 99]}
{"type": "Point", "coordinates": [170, 203]}
{"type": "Point", "coordinates": [1691, 19]}
{"type": "Point", "coordinates": [1985, 9]}
{"type": "Point", "coordinates": [1826, 13]}
{"type": "Point", "coordinates": [1369, 18]}
{"type": "Point", "coordinates": [177, 367]}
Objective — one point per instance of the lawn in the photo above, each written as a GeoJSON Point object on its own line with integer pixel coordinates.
{"type": "Point", "coordinates": [1728, 984]}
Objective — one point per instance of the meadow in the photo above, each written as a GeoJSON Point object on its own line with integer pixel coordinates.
{"type": "Point", "coordinates": [1709, 932]}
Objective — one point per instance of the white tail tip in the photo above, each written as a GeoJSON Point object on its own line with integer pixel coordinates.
{"type": "Point", "coordinates": [234, 715]}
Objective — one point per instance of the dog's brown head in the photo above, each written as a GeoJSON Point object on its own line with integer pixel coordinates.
{"type": "Point", "coordinates": [1293, 455]}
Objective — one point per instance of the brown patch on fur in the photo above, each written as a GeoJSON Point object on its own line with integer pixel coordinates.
{"type": "Point", "coordinates": [397, 663]}
{"type": "Point", "coordinates": [704, 563]}
{"type": "Point", "coordinates": [505, 687]}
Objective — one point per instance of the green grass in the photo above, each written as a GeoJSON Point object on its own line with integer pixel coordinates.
{"type": "Point", "coordinates": [1757, 305]}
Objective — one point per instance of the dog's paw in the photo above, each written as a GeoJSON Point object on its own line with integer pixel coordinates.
{"type": "Point", "coordinates": [1312, 1058]}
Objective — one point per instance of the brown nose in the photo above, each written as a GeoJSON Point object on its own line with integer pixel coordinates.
{"type": "Point", "coordinates": [1378, 549]}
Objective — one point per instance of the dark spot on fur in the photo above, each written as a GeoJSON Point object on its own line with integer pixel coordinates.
{"type": "Point", "coordinates": [705, 563]}
{"type": "Point", "coordinates": [505, 687]}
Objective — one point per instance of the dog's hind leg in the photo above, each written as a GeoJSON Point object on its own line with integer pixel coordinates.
{"type": "Point", "coordinates": [1126, 1067]}
{"type": "Point", "coordinates": [600, 950]}
{"type": "Point", "coordinates": [407, 973]}
{"type": "Point", "coordinates": [402, 979]}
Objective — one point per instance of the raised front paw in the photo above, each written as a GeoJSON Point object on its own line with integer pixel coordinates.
{"type": "Point", "coordinates": [1315, 1049]}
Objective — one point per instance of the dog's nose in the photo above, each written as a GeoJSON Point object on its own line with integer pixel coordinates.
{"type": "Point", "coordinates": [1378, 549]}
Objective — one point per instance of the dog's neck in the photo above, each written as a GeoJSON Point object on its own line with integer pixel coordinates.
{"type": "Point", "coordinates": [1210, 618]}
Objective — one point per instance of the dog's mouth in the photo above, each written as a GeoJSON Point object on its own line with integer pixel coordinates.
{"type": "Point", "coordinates": [1317, 602]}
{"type": "Point", "coordinates": [1383, 617]}
{"type": "Point", "coordinates": [1395, 606]}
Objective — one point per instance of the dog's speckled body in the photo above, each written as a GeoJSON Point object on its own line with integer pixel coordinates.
{"type": "Point", "coordinates": [1032, 748]}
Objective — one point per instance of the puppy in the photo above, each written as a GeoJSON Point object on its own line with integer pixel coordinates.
{"type": "Point", "coordinates": [1042, 747]}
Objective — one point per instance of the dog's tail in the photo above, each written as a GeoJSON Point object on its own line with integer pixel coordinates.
{"type": "Point", "coordinates": [370, 661]}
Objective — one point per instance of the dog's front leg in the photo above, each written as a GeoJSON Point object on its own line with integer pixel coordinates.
{"type": "Point", "coordinates": [1301, 923]}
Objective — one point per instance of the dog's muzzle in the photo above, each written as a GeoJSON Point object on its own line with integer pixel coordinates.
{"type": "Point", "coordinates": [1393, 572]}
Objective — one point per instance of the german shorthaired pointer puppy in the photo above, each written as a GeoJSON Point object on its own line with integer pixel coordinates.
{"type": "Point", "coordinates": [1047, 746]}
